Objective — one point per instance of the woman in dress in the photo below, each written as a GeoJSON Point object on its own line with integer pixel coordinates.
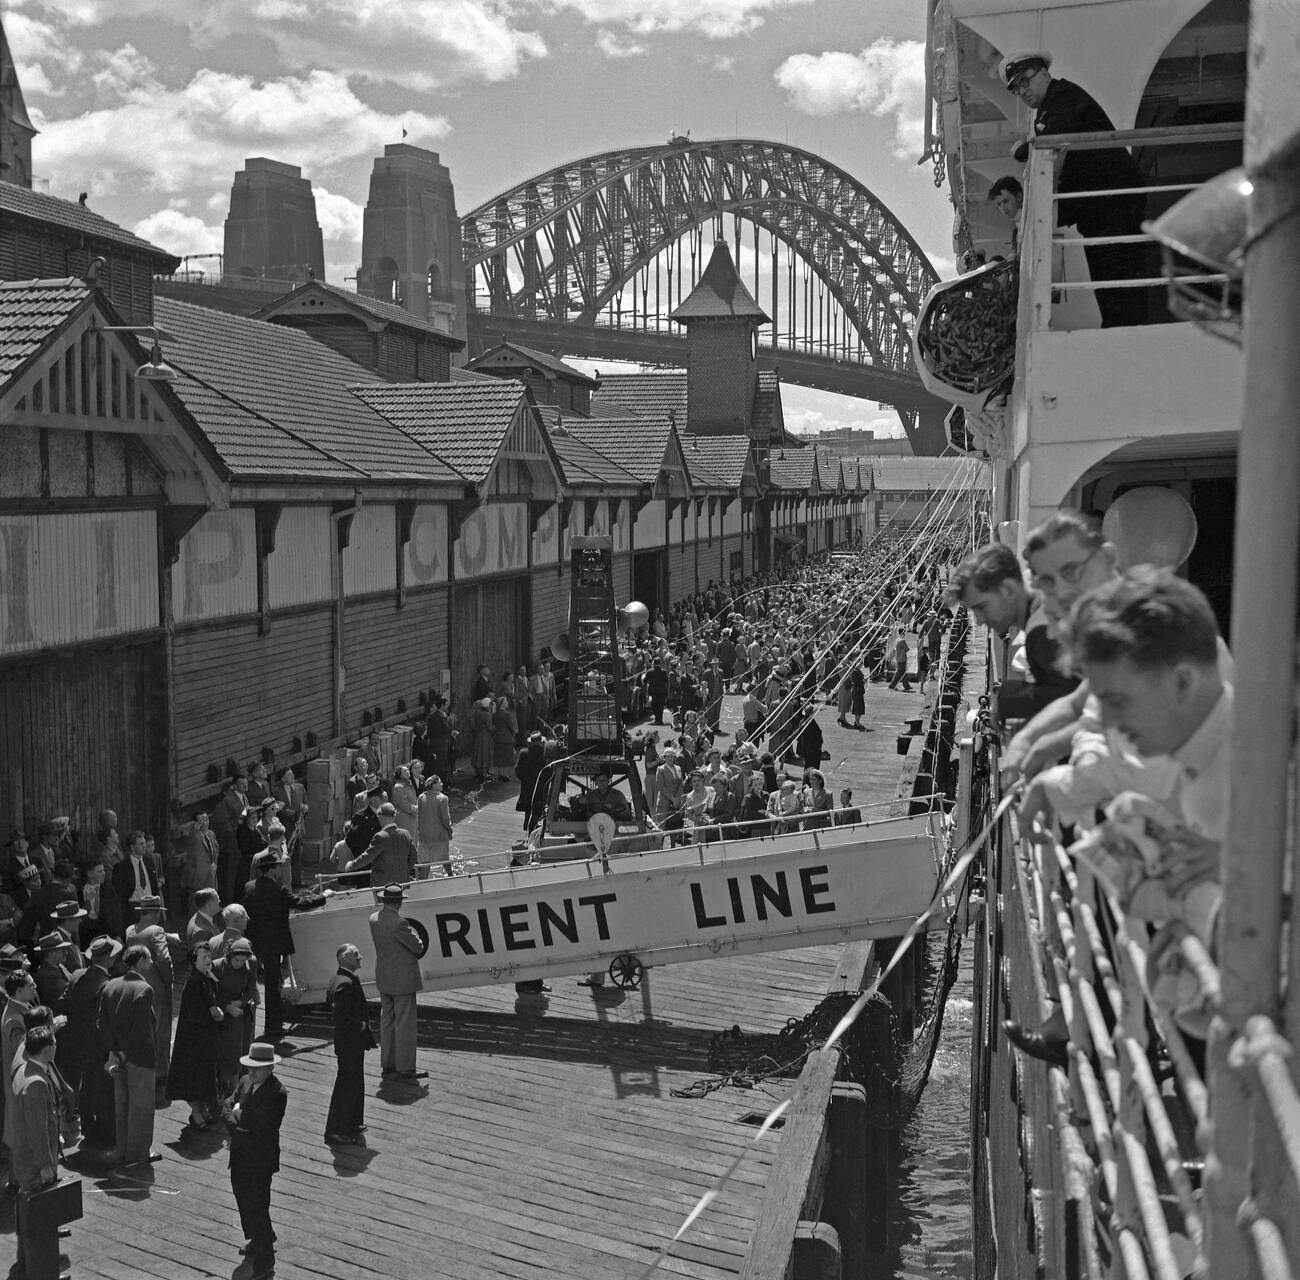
{"type": "Point", "coordinates": [695, 804]}
{"type": "Point", "coordinates": [480, 727]}
{"type": "Point", "coordinates": [192, 1077]}
{"type": "Point", "coordinates": [857, 694]}
{"type": "Point", "coordinates": [844, 698]}
{"type": "Point", "coordinates": [818, 802]}
{"type": "Point", "coordinates": [653, 760]}
{"type": "Point", "coordinates": [722, 810]}
{"type": "Point", "coordinates": [405, 798]}
{"type": "Point", "coordinates": [435, 828]}
{"type": "Point", "coordinates": [505, 739]}
{"type": "Point", "coordinates": [753, 808]}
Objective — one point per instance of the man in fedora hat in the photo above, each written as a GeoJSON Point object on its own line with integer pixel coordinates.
{"type": "Point", "coordinates": [256, 1110]}
{"type": "Point", "coordinates": [158, 971]}
{"type": "Point", "coordinates": [398, 949]}
{"type": "Point", "coordinates": [52, 975]}
{"type": "Point", "coordinates": [66, 918]}
{"type": "Point", "coordinates": [79, 1057]}
{"type": "Point", "coordinates": [127, 1031]}
{"type": "Point", "coordinates": [268, 903]}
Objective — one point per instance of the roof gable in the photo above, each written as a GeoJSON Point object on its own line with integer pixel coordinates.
{"type": "Point", "coordinates": [729, 458]}
{"type": "Point", "coordinates": [317, 298]}
{"type": "Point", "coordinates": [510, 355]}
{"type": "Point", "coordinates": [470, 425]}
{"type": "Point", "coordinates": [65, 366]}
{"type": "Point", "coordinates": [647, 448]}
{"type": "Point", "coordinates": [795, 469]}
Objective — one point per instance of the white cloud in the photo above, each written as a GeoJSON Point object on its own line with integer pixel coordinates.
{"type": "Point", "coordinates": [717, 19]}
{"type": "Point", "coordinates": [339, 217]}
{"type": "Point", "coordinates": [613, 46]}
{"type": "Point", "coordinates": [180, 233]}
{"type": "Point", "coordinates": [886, 79]}
{"type": "Point", "coordinates": [200, 133]}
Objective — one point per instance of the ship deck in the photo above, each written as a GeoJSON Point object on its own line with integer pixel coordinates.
{"type": "Point", "coordinates": [545, 1141]}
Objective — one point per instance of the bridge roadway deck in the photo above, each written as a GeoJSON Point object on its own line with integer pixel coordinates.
{"type": "Point", "coordinates": [545, 1141]}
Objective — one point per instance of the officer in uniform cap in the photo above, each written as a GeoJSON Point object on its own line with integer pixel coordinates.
{"type": "Point", "coordinates": [398, 949]}
{"type": "Point", "coordinates": [1061, 106]}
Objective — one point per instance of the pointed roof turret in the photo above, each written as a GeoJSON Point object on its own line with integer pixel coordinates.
{"type": "Point", "coordinates": [720, 294]}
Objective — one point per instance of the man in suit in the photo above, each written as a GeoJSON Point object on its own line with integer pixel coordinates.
{"type": "Point", "coordinates": [268, 904]}
{"type": "Point", "coordinates": [352, 1037]}
{"type": "Point", "coordinates": [127, 1031]}
{"type": "Point", "coordinates": [78, 1051]}
{"type": "Point", "coordinates": [33, 1136]}
{"type": "Point", "coordinates": [256, 1111]}
{"type": "Point", "coordinates": [398, 949]}
{"type": "Point", "coordinates": [391, 856]}
{"type": "Point", "coordinates": [133, 878]}
{"type": "Point", "coordinates": [203, 926]}
{"type": "Point", "coordinates": [158, 972]}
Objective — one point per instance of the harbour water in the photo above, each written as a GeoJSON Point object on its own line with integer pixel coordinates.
{"type": "Point", "coordinates": [930, 1220]}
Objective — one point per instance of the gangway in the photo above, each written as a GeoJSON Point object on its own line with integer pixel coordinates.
{"type": "Point", "coordinates": [631, 911]}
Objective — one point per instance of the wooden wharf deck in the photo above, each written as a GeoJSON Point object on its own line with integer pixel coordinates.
{"type": "Point", "coordinates": [545, 1141]}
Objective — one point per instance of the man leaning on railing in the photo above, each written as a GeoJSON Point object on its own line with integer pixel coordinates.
{"type": "Point", "coordinates": [1148, 647]}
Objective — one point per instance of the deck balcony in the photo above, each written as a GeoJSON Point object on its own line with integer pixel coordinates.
{"type": "Point", "coordinates": [1083, 394]}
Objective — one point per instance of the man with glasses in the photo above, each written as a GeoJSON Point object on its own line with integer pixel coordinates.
{"type": "Point", "coordinates": [1061, 106]}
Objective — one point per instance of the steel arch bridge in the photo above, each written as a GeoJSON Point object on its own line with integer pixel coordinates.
{"type": "Point", "coordinates": [567, 247]}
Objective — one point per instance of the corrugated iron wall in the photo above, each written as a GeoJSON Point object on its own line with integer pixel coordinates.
{"type": "Point", "coordinates": [550, 606]}
{"type": "Point", "coordinates": [298, 570]}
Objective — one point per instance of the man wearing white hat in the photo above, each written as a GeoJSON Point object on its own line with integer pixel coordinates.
{"type": "Point", "coordinates": [256, 1110]}
{"type": "Point", "coordinates": [1061, 106]}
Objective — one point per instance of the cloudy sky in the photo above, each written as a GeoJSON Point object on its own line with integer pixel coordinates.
{"type": "Point", "coordinates": [152, 105]}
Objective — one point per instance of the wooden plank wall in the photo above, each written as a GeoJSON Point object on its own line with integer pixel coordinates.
{"type": "Point", "coordinates": [550, 605]}
{"type": "Point", "coordinates": [392, 654]}
{"type": "Point", "coordinates": [237, 692]}
{"type": "Point", "coordinates": [83, 731]}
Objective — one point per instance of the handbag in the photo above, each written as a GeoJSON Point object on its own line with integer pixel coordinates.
{"type": "Point", "coordinates": [50, 1207]}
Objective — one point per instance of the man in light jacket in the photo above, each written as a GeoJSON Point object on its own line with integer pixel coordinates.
{"type": "Point", "coordinates": [398, 949]}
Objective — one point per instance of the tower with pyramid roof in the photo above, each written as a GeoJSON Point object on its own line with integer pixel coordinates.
{"type": "Point", "coordinates": [722, 321]}
{"type": "Point", "coordinates": [16, 128]}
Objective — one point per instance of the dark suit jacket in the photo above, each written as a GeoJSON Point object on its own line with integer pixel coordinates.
{"type": "Point", "coordinates": [79, 1043]}
{"type": "Point", "coordinates": [347, 1001]}
{"type": "Point", "coordinates": [123, 877]}
{"type": "Point", "coordinates": [126, 1019]}
{"type": "Point", "coordinates": [268, 904]}
{"type": "Point", "coordinates": [255, 1139]}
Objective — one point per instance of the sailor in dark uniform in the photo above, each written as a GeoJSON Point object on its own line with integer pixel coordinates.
{"type": "Point", "coordinates": [1061, 106]}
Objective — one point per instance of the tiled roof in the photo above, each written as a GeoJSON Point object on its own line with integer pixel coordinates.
{"type": "Point", "coordinates": [653, 394]}
{"type": "Point", "coordinates": [30, 311]}
{"type": "Point", "coordinates": [724, 456]}
{"type": "Point", "coordinates": [539, 359]}
{"type": "Point", "coordinates": [463, 423]}
{"type": "Point", "coordinates": [828, 470]}
{"type": "Point", "coordinates": [460, 374]}
{"type": "Point", "coordinates": [276, 402]}
{"type": "Point", "coordinates": [22, 202]}
{"type": "Point", "coordinates": [584, 465]}
{"type": "Point", "coordinates": [638, 445]}
{"type": "Point", "coordinates": [389, 312]}
{"type": "Point", "coordinates": [852, 475]}
{"type": "Point", "coordinates": [909, 475]}
{"type": "Point", "coordinates": [793, 468]}
{"type": "Point", "coordinates": [720, 292]}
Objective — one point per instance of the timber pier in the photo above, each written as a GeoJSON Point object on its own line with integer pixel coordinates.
{"type": "Point", "coordinates": [546, 1139]}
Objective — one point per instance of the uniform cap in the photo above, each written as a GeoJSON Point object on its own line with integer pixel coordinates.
{"type": "Point", "coordinates": [1016, 64]}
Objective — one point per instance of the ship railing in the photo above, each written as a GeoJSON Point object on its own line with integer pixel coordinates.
{"type": "Point", "coordinates": [1108, 1147]}
{"type": "Point", "coordinates": [1050, 274]}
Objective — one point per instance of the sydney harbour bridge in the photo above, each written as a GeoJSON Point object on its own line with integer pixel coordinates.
{"type": "Point", "coordinates": [590, 259]}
